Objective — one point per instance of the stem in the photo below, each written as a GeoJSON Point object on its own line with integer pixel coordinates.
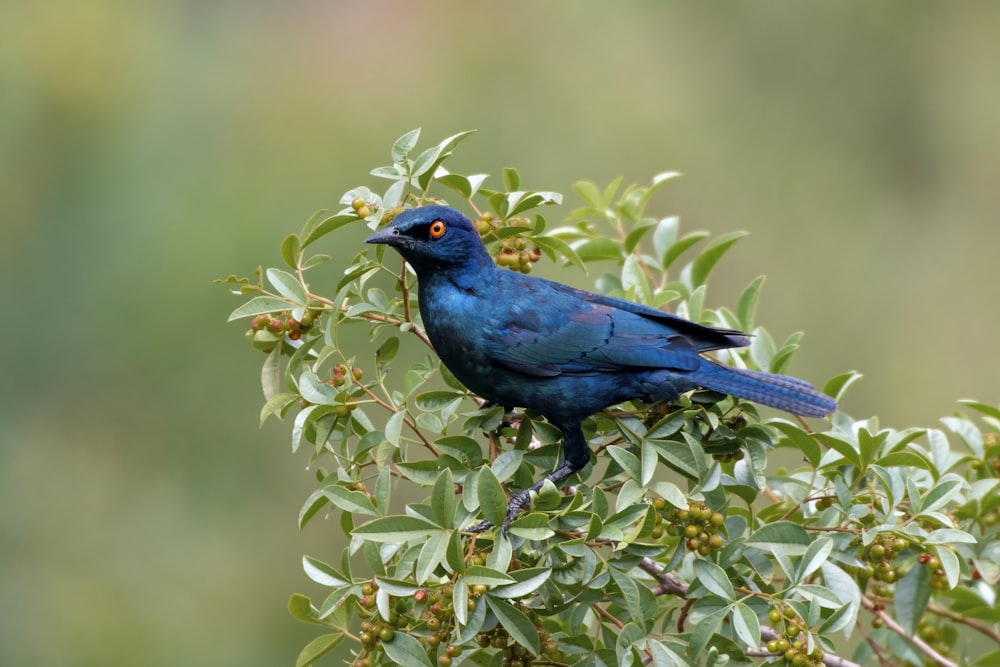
{"type": "Point", "coordinates": [406, 420]}
{"type": "Point", "coordinates": [671, 585]}
{"type": "Point", "coordinates": [891, 623]}
{"type": "Point", "coordinates": [603, 613]}
{"type": "Point", "coordinates": [972, 623]}
{"type": "Point", "coordinates": [883, 659]}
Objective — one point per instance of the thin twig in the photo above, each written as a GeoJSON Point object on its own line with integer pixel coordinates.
{"type": "Point", "coordinates": [965, 620]}
{"type": "Point", "coordinates": [606, 615]}
{"type": "Point", "coordinates": [671, 585]}
{"type": "Point", "coordinates": [891, 623]}
{"type": "Point", "coordinates": [406, 420]}
{"type": "Point", "coordinates": [883, 659]}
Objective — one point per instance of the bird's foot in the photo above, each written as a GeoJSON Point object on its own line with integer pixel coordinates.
{"type": "Point", "coordinates": [518, 503]}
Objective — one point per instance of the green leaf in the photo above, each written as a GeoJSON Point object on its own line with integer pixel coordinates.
{"type": "Point", "coordinates": [394, 428]}
{"type": "Point", "coordinates": [746, 307]}
{"type": "Point", "coordinates": [527, 582]}
{"type": "Point", "coordinates": [404, 649]}
{"type": "Point", "coordinates": [276, 405]}
{"type": "Point", "coordinates": [402, 147]}
{"type": "Point", "coordinates": [435, 156]}
{"type": "Point", "coordinates": [785, 536]}
{"type": "Point", "coordinates": [511, 179]}
{"type": "Point", "coordinates": [906, 459]}
{"type": "Point", "coordinates": [431, 554]}
{"type": "Point", "coordinates": [515, 622]}
{"type": "Point", "coordinates": [396, 528]}
{"type": "Point", "coordinates": [949, 536]}
{"type": "Point", "coordinates": [630, 637]}
{"type": "Point", "coordinates": [703, 630]}
{"type": "Point", "coordinates": [290, 250]}
{"type": "Point", "coordinates": [443, 499]}
{"type": "Point", "coordinates": [838, 385]}
{"type": "Point", "coordinates": [746, 625]}
{"type": "Point", "coordinates": [315, 391]}
{"type": "Point", "coordinates": [488, 576]}
{"type": "Point", "coordinates": [397, 587]}
{"type": "Point", "coordinates": [713, 252]}
{"type": "Point", "coordinates": [634, 280]}
{"type": "Point", "coordinates": [599, 248]}
{"type": "Point", "coordinates": [677, 248]}
{"type": "Point", "coordinates": [321, 573]}
{"type": "Point", "coordinates": [319, 647]}
{"type": "Point", "coordinates": [985, 408]}
{"type": "Point", "coordinates": [301, 609]}
{"type": "Point", "coordinates": [531, 526]}
{"type": "Point", "coordinates": [559, 247]}
{"type": "Point", "coordinates": [492, 499]}
{"type": "Point", "coordinates": [801, 440]}
{"type": "Point", "coordinates": [435, 400]}
{"type": "Point", "coordinates": [287, 285]}
{"type": "Point", "coordinates": [630, 591]}
{"type": "Point", "coordinates": [349, 501]}
{"type": "Point", "coordinates": [949, 563]}
{"type": "Point", "coordinates": [714, 579]}
{"type": "Point", "coordinates": [817, 554]}
{"type": "Point", "coordinates": [325, 227]}
{"type": "Point", "coordinates": [913, 592]}
{"type": "Point", "coordinates": [940, 495]}
{"type": "Point", "coordinates": [589, 193]}
{"type": "Point", "coordinates": [259, 305]}
{"type": "Point", "coordinates": [387, 351]}
{"type": "Point", "coordinates": [850, 451]}
{"type": "Point", "coordinates": [627, 460]}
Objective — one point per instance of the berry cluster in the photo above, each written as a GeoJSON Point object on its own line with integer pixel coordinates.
{"type": "Point", "coordinates": [795, 649]}
{"type": "Point", "coordinates": [938, 579]}
{"type": "Point", "coordinates": [514, 252]}
{"type": "Point", "coordinates": [515, 655]}
{"type": "Point", "coordinates": [361, 207]}
{"type": "Point", "coordinates": [697, 524]}
{"type": "Point", "coordinates": [430, 614]}
{"type": "Point", "coordinates": [879, 557]}
{"type": "Point", "coordinates": [374, 631]}
{"type": "Point", "coordinates": [280, 324]}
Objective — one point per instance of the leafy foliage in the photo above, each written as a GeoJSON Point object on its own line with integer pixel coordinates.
{"type": "Point", "coordinates": [681, 544]}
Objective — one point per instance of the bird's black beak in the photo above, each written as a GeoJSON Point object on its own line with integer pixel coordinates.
{"type": "Point", "coordinates": [387, 236]}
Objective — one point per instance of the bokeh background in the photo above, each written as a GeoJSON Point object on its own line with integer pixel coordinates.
{"type": "Point", "coordinates": [149, 147]}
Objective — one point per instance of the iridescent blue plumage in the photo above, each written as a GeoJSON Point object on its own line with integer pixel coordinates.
{"type": "Point", "coordinates": [522, 341]}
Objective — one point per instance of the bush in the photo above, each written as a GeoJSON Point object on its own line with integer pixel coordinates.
{"type": "Point", "coordinates": [679, 544]}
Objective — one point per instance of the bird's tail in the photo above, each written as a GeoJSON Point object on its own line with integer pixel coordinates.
{"type": "Point", "coordinates": [777, 391]}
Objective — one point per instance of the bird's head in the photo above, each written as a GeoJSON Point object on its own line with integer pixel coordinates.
{"type": "Point", "coordinates": [435, 238]}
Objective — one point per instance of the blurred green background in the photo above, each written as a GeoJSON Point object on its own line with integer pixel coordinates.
{"type": "Point", "coordinates": [149, 147]}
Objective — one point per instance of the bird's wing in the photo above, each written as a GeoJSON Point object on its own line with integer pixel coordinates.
{"type": "Point", "coordinates": [550, 329]}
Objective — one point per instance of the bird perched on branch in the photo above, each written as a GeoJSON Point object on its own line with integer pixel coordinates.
{"type": "Point", "coordinates": [522, 341]}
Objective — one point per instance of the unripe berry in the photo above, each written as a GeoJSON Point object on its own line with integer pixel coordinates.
{"type": "Point", "coordinates": [260, 322]}
{"type": "Point", "coordinates": [364, 212]}
{"type": "Point", "coordinates": [357, 203]}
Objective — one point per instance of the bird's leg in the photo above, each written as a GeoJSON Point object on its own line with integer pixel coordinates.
{"type": "Point", "coordinates": [576, 454]}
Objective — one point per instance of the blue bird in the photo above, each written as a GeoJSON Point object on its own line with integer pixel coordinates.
{"type": "Point", "coordinates": [522, 341]}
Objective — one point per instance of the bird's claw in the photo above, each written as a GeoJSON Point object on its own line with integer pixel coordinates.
{"type": "Point", "coordinates": [517, 503]}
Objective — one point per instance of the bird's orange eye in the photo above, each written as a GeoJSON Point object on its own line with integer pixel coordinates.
{"type": "Point", "coordinates": [437, 229]}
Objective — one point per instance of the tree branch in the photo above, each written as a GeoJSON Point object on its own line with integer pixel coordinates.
{"type": "Point", "coordinates": [891, 623]}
